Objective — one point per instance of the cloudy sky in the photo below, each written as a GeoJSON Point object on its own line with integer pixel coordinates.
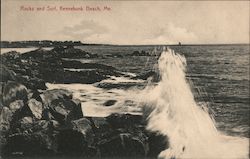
{"type": "Point", "coordinates": [128, 22]}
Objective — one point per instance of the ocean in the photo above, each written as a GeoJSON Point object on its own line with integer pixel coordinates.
{"type": "Point", "coordinates": [201, 99]}
{"type": "Point", "coordinates": [219, 75]}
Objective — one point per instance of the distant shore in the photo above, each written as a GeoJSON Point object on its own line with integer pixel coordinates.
{"type": "Point", "coordinates": [49, 43]}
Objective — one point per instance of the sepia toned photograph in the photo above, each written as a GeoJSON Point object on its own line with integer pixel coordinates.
{"type": "Point", "coordinates": [124, 79]}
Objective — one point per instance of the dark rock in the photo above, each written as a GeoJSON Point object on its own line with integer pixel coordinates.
{"type": "Point", "coordinates": [26, 123]}
{"type": "Point", "coordinates": [142, 53]}
{"type": "Point", "coordinates": [19, 114]}
{"type": "Point", "coordinates": [33, 83]}
{"type": "Point", "coordinates": [71, 52]}
{"type": "Point", "coordinates": [35, 139]}
{"type": "Point", "coordinates": [14, 91]}
{"type": "Point", "coordinates": [100, 126]}
{"type": "Point", "coordinates": [5, 118]}
{"type": "Point", "coordinates": [47, 115]}
{"type": "Point", "coordinates": [50, 95]}
{"type": "Point", "coordinates": [35, 94]}
{"type": "Point", "coordinates": [156, 144]}
{"type": "Point", "coordinates": [6, 74]}
{"type": "Point", "coordinates": [109, 102]}
{"type": "Point", "coordinates": [83, 125]}
{"type": "Point", "coordinates": [65, 110]}
{"type": "Point", "coordinates": [72, 143]}
{"type": "Point", "coordinates": [124, 120]}
{"type": "Point", "coordinates": [124, 85]}
{"type": "Point", "coordinates": [155, 76]}
{"type": "Point", "coordinates": [76, 112]}
{"type": "Point", "coordinates": [122, 145]}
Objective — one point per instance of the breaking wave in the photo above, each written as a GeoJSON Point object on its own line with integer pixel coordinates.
{"type": "Point", "coordinates": [188, 126]}
{"type": "Point", "coordinates": [170, 109]}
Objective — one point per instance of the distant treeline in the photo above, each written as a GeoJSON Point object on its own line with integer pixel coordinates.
{"type": "Point", "coordinates": [43, 43]}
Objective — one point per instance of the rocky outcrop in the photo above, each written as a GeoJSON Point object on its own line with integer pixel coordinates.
{"type": "Point", "coordinates": [36, 67]}
{"type": "Point", "coordinates": [35, 122]}
{"type": "Point", "coordinates": [155, 77]}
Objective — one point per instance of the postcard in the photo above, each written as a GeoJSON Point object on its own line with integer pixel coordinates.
{"type": "Point", "coordinates": [124, 79]}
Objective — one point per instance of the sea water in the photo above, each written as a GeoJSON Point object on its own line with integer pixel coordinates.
{"type": "Point", "coordinates": [201, 103]}
{"type": "Point", "coordinates": [188, 126]}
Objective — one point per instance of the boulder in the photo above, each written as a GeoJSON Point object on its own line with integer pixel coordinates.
{"type": "Point", "coordinates": [145, 75]}
{"type": "Point", "coordinates": [35, 139]}
{"type": "Point", "coordinates": [65, 110]}
{"type": "Point", "coordinates": [71, 143]}
{"type": "Point", "coordinates": [32, 82]}
{"type": "Point", "coordinates": [26, 123]}
{"type": "Point", "coordinates": [14, 91]}
{"type": "Point", "coordinates": [5, 118]}
{"type": "Point", "coordinates": [156, 144]}
{"type": "Point", "coordinates": [83, 125]}
{"type": "Point", "coordinates": [109, 102]}
{"type": "Point", "coordinates": [6, 74]}
{"type": "Point", "coordinates": [36, 108]}
{"type": "Point", "coordinates": [55, 94]}
{"type": "Point", "coordinates": [16, 105]}
{"type": "Point", "coordinates": [100, 126]}
{"type": "Point", "coordinates": [122, 145]}
{"type": "Point", "coordinates": [124, 120]}
{"type": "Point", "coordinates": [76, 112]}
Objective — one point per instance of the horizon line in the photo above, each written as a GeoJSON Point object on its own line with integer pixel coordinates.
{"type": "Point", "coordinates": [177, 44]}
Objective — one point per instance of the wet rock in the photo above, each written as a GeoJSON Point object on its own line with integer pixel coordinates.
{"type": "Point", "coordinates": [76, 112]}
{"type": "Point", "coordinates": [100, 126]}
{"type": "Point", "coordinates": [124, 85]}
{"type": "Point", "coordinates": [14, 91]}
{"type": "Point", "coordinates": [5, 118]}
{"type": "Point", "coordinates": [140, 53]}
{"type": "Point", "coordinates": [32, 82]}
{"type": "Point", "coordinates": [83, 125]}
{"type": "Point", "coordinates": [35, 94]}
{"type": "Point", "coordinates": [35, 139]}
{"type": "Point", "coordinates": [55, 94]}
{"type": "Point", "coordinates": [109, 102]}
{"type": "Point", "coordinates": [26, 123]}
{"type": "Point", "coordinates": [156, 144]}
{"type": "Point", "coordinates": [6, 74]}
{"type": "Point", "coordinates": [36, 108]}
{"type": "Point", "coordinates": [124, 120]}
{"type": "Point", "coordinates": [122, 145]}
{"type": "Point", "coordinates": [155, 77]}
{"type": "Point", "coordinates": [61, 108]}
{"type": "Point", "coordinates": [11, 55]}
{"type": "Point", "coordinates": [21, 113]}
{"type": "Point", "coordinates": [17, 104]}
{"type": "Point", "coordinates": [71, 143]}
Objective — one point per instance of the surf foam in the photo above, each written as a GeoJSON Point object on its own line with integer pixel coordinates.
{"type": "Point", "coordinates": [188, 126]}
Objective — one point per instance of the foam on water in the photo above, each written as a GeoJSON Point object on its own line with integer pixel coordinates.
{"type": "Point", "coordinates": [188, 127]}
{"type": "Point", "coordinates": [93, 99]}
{"type": "Point", "coordinates": [173, 112]}
{"type": "Point", "coordinates": [116, 80]}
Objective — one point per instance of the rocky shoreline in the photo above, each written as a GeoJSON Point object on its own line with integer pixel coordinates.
{"type": "Point", "coordinates": [36, 122]}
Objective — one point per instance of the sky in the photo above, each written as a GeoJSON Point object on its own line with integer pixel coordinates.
{"type": "Point", "coordinates": [128, 22]}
